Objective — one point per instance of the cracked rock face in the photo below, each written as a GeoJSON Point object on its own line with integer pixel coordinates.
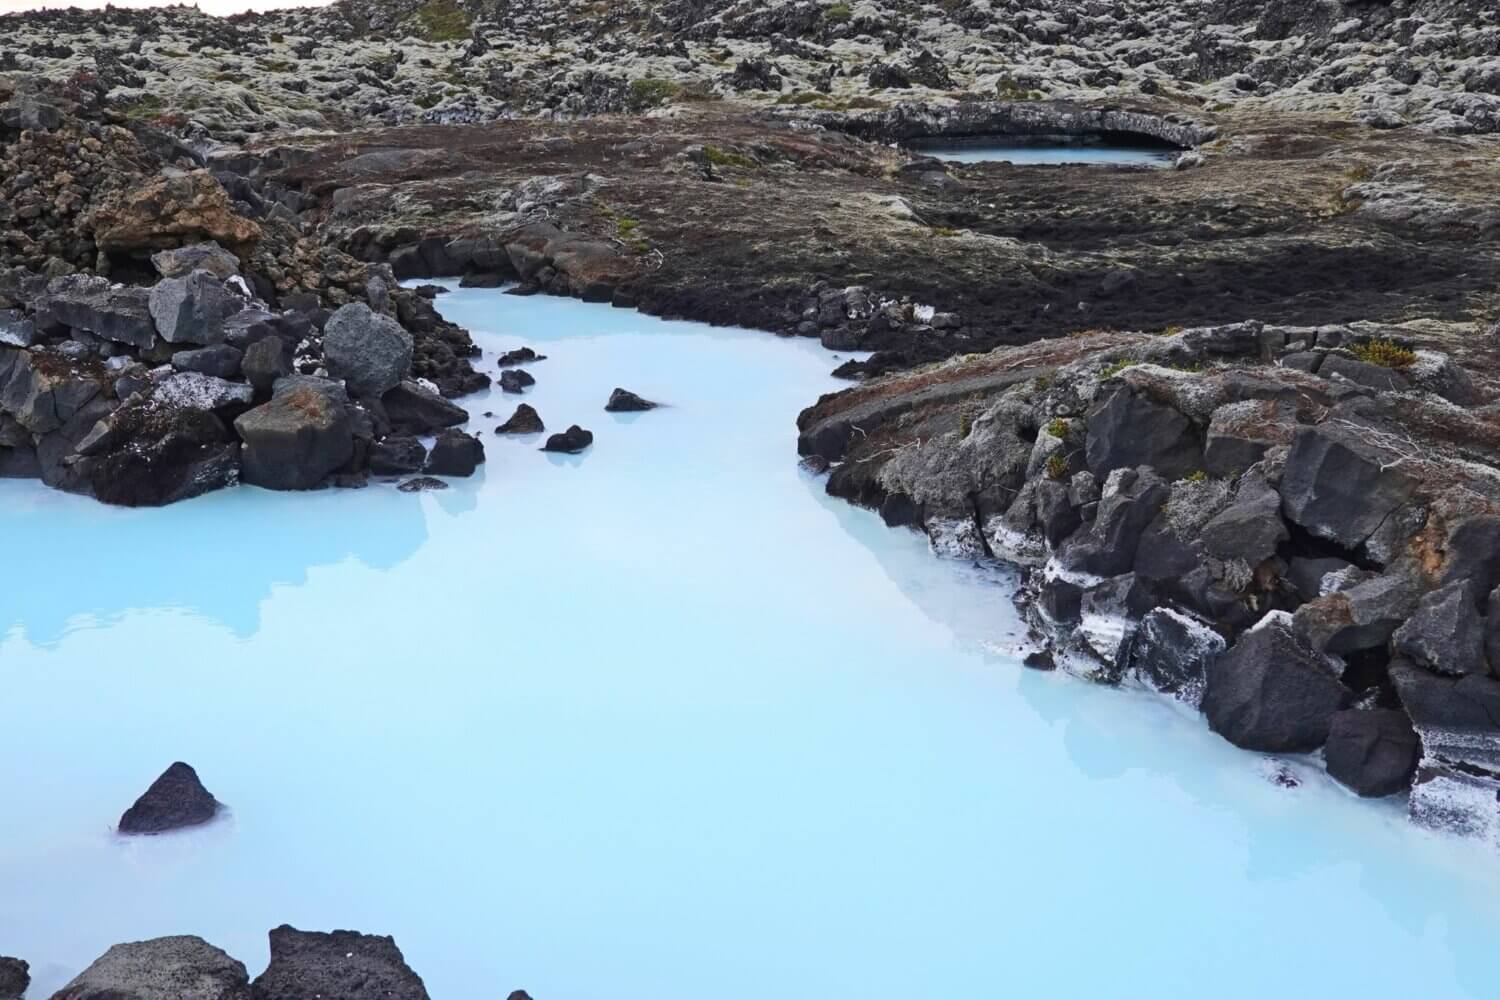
{"type": "Point", "coordinates": [308, 965]}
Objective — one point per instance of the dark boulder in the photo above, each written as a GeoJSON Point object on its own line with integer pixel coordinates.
{"type": "Point", "coordinates": [1372, 752]}
{"type": "Point", "coordinates": [519, 356]}
{"type": "Point", "coordinates": [455, 453]}
{"type": "Point", "coordinates": [15, 976]}
{"type": "Point", "coordinates": [265, 361]}
{"type": "Point", "coordinates": [1240, 433]}
{"type": "Point", "coordinates": [1339, 484]}
{"type": "Point", "coordinates": [1250, 527]}
{"type": "Point", "coordinates": [1272, 692]}
{"type": "Point", "coordinates": [299, 438]}
{"type": "Point", "coordinates": [1363, 373]}
{"type": "Point", "coordinates": [572, 441]}
{"type": "Point", "coordinates": [1360, 617]}
{"type": "Point", "coordinates": [94, 304]}
{"type": "Point", "coordinates": [1458, 719]}
{"type": "Point", "coordinates": [175, 800]}
{"type": "Point", "coordinates": [181, 261]}
{"type": "Point", "coordinates": [1131, 500]}
{"type": "Point", "coordinates": [339, 965]}
{"type": "Point", "coordinates": [1171, 653]}
{"type": "Point", "coordinates": [414, 409]}
{"type": "Point", "coordinates": [514, 380]}
{"type": "Point", "coordinates": [1061, 601]}
{"type": "Point", "coordinates": [1306, 574]}
{"type": "Point", "coordinates": [15, 329]}
{"type": "Point", "coordinates": [1127, 429]}
{"type": "Point", "coordinates": [397, 455]}
{"type": "Point", "coordinates": [1445, 634]}
{"type": "Point", "coordinates": [368, 350]}
{"type": "Point", "coordinates": [625, 401]}
{"type": "Point", "coordinates": [167, 968]}
{"type": "Point", "coordinates": [524, 421]}
{"type": "Point", "coordinates": [193, 309]}
{"type": "Point", "coordinates": [44, 390]}
{"type": "Point", "coordinates": [156, 450]}
{"type": "Point", "coordinates": [1055, 513]}
{"type": "Point", "coordinates": [219, 360]}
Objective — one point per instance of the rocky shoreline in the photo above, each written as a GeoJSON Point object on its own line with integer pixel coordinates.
{"type": "Point", "coordinates": [1237, 420]}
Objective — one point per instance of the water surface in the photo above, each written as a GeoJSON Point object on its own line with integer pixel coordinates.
{"type": "Point", "coordinates": [659, 721]}
{"type": "Point", "coordinates": [1022, 152]}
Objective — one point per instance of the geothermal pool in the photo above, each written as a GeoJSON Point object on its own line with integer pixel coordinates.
{"type": "Point", "coordinates": [660, 720]}
{"type": "Point", "coordinates": [1022, 152]}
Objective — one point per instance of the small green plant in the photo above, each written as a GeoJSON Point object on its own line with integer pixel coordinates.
{"type": "Point", "coordinates": [946, 232]}
{"type": "Point", "coordinates": [1115, 367]}
{"type": "Point", "coordinates": [649, 92]}
{"type": "Point", "coordinates": [443, 21]}
{"type": "Point", "coordinates": [1192, 367]}
{"type": "Point", "coordinates": [965, 424]}
{"type": "Point", "coordinates": [1385, 353]}
{"type": "Point", "coordinates": [728, 158]}
{"type": "Point", "coordinates": [1042, 383]}
{"type": "Point", "coordinates": [426, 101]}
{"type": "Point", "coordinates": [1058, 428]}
{"type": "Point", "coordinates": [838, 13]}
{"type": "Point", "coordinates": [1197, 477]}
{"type": "Point", "coordinates": [1057, 467]}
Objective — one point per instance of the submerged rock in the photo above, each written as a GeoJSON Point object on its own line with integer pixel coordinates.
{"type": "Point", "coordinates": [572, 441]}
{"type": "Point", "coordinates": [422, 484]}
{"type": "Point", "coordinates": [175, 800]}
{"type": "Point", "coordinates": [524, 421]}
{"type": "Point", "coordinates": [520, 356]}
{"type": "Point", "coordinates": [338, 965]}
{"type": "Point", "coordinates": [625, 401]}
{"type": "Point", "coordinates": [165, 968]}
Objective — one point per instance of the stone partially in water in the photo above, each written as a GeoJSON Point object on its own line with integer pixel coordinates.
{"type": "Point", "coordinates": [625, 401]}
{"type": "Point", "coordinates": [514, 380]}
{"type": "Point", "coordinates": [524, 421]}
{"type": "Point", "coordinates": [455, 453]}
{"type": "Point", "coordinates": [338, 965]}
{"type": "Point", "coordinates": [422, 484]}
{"type": "Point", "coordinates": [165, 968]}
{"type": "Point", "coordinates": [571, 441]}
{"type": "Point", "coordinates": [175, 800]}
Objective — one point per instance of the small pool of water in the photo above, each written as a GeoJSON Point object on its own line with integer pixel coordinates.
{"type": "Point", "coordinates": [660, 720]}
{"type": "Point", "coordinates": [1031, 153]}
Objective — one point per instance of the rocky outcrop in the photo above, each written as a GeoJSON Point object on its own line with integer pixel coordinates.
{"type": "Point", "coordinates": [1328, 588]}
{"type": "Point", "coordinates": [15, 976]}
{"type": "Point", "coordinates": [454, 453]}
{"type": "Point", "coordinates": [524, 421]}
{"type": "Point", "coordinates": [625, 401]}
{"type": "Point", "coordinates": [298, 439]}
{"type": "Point", "coordinates": [175, 800]}
{"type": "Point", "coordinates": [171, 210]}
{"type": "Point", "coordinates": [339, 965]}
{"type": "Point", "coordinates": [571, 441]}
{"type": "Point", "coordinates": [161, 967]}
{"type": "Point", "coordinates": [370, 352]}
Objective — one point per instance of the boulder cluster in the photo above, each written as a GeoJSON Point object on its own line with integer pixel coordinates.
{"type": "Point", "coordinates": [143, 395]}
{"type": "Point", "coordinates": [1295, 530]}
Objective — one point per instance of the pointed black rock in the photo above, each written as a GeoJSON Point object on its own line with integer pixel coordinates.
{"type": "Point", "coordinates": [625, 401]}
{"type": "Point", "coordinates": [175, 800]}
{"type": "Point", "coordinates": [573, 440]}
{"type": "Point", "coordinates": [524, 421]}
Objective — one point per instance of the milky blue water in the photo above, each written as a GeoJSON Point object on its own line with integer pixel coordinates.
{"type": "Point", "coordinates": [659, 721]}
{"type": "Point", "coordinates": [1033, 154]}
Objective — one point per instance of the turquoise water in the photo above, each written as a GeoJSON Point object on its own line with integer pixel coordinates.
{"type": "Point", "coordinates": [1032, 154]}
{"type": "Point", "coordinates": [657, 721]}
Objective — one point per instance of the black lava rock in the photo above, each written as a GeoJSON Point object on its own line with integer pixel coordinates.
{"type": "Point", "coordinates": [520, 356]}
{"type": "Point", "coordinates": [625, 401]}
{"type": "Point", "coordinates": [572, 441]}
{"type": "Point", "coordinates": [1271, 692]}
{"type": "Point", "coordinates": [15, 976]}
{"type": "Point", "coordinates": [339, 965]}
{"type": "Point", "coordinates": [397, 455]}
{"type": "Point", "coordinates": [175, 800]}
{"type": "Point", "coordinates": [1372, 752]}
{"type": "Point", "coordinates": [455, 453]}
{"type": "Point", "coordinates": [524, 421]}
{"type": "Point", "coordinates": [515, 380]}
{"type": "Point", "coordinates": [422, 483]}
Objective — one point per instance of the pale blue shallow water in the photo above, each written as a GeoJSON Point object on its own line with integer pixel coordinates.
{"type": "Point", "coordinates": [661, 721]}
{"type": "Point", "coordinates": [1034, 154]}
